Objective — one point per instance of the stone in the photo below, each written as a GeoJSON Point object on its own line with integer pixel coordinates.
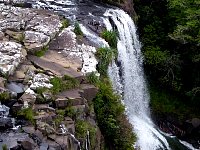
{"type": "Point", "coordinates": [45, 128]}
{"type": "Point", "coordinates": [55, 68]}
{"type": "Point", "coordinates": [1, 35]}
{"type": "Point", "coordinates": [66, 61]}
{"type": "Point", "coordinates": [195, 122]}
{"type": "Point", "coordinates": [41, 80]}
{"type": "Point", "coordinates": [44, 146]}
{"type": "Point", "coordinates": [61, 102]}
{"type": "Point", "coordinates": [89, 91]}
{"type": "Point", "coordinates": [66, 43]}
{"type": "Point", "coordinates": [15, 87]}
{"type": "Point", "coordinates": [44, 113]}
{"type": "Point", "coordinates": [35, 40]}
{"type": "Point", "coordinates": [27, 97]}
{"type": "Point", "coordinates": [69, 123]}
{"type": "Point", "coordinates": [53, 145]}
{"type": "Point", "coordinates": [5, 123]}
{"type": "Point", "coordinates": [28, 144]}
{"type": "Point", "coordinates": [61, 140]}
{"type": "Point", "coordinates": [2, 82]}
{"type": "Point", "coordinates": [18, 36]}
{"type": "Point", "coordinates": [73, 97]}
{"type": "Point", "coordinates": [11, 139]}
{"type": "Point", "coordinates": [11, 55]}
{"type": "Point", "coordinates": [45, 22]}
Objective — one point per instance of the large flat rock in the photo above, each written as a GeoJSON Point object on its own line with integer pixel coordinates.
{"type": "Point", "coordinates": [69, 98]}
{"type": "Point", "coordinates": [56, 68]}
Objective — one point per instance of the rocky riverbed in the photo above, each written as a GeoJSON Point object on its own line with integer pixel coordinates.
{"type": "Point", "coordinates": [36, 51]}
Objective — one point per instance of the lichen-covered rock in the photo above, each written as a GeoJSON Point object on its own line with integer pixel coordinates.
{"type": "Point", "coordinates": [11, 55]}
{"type": "Point", "coordinates": [41, 81]}
{"type": "Point", "coordinates": [32, 27]}
{"type": "Point", "coordinates": [67, 43]}
{"type": "Point", "coordinates": [35, 40]}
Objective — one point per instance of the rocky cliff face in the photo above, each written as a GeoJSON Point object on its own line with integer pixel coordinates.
{"type": "Point", "coordinates": [43, 66]}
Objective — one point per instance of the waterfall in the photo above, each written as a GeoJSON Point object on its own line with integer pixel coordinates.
{"type": "Point", "coordinates": [128, 80]}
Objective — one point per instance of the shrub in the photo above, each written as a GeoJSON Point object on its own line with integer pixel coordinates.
{"type": "Point", "coordinates": [26, 113]}
{"type": "Point", "coordinates": [105, 56]}
{"type": "Point", "coordinates": [64, 83]}
{"type": "Point", "coordinates": [110, 37]}
{"type": "Point", "coordinates": [59, 117]}
{"type": "Point", "coordinates": [114, 124]}
{"type": "Point", "coordinates": [92, 78]}
{"type": "Point", "coordinates": [70, 112]}
{"type": "Point", "coordinates": [77, 29]}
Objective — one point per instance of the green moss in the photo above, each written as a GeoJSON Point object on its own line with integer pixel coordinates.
{"type": "Point", "coordinates": [4, 96]}
{"type": "Point", "coordinates": [65, 24]}
{"type": "Point", "coordinates": [4, 147]}
{"type": "Point", "coordinates": [19, 5]}
{"type": "Point", "coordinates": [41, 52]}
{"type": "Point", "coordinates": [77, 29]}
{"type": "Point", "coordinates": [64, 83]}
{"type": "Point", "coordinates": [110, 37]}
{"type": "Point", "coordinates": [20, 37]}
{"type": "Point", "coordinates": [26, 113]}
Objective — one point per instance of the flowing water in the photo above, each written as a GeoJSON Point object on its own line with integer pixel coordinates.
{"type": "Point", "coordinates": [128, 80]}
{"type": "Point", "coordinates": [127, 74]}
{"type": "Point", "coordinates": [132, 82]}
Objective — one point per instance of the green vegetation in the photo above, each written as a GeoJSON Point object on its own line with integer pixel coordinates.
{"type": "Point", "coordinates": [105, 56]}
{"type": "Point", "coordinates": [41, 52]}
{"type": "Point", "coordinates": [169, 31]}
{"type": "Point", "coordinates": [21, 37]}
{"type": "Point", "coordinates": [70, 112]}
{"type": "Point", "coordinates": [41, 99]}
{"type": "Point", "coordinates": [26, 113]}
{"type": "Point", "coordinates": [64, 83]}
{"type": "Point", "coordinates": [65, 24]}
{"type": "Point", "coordinates": [77, 29]}
{"type": "Point", "coordinates": [81, 131]}
{"type": "Point", "coordinates": [4, 96]}
{"type": "Point", "coordinates": [109, 111]}
{"type": "Point", "coordinates": [59, 117]}
{"type": "Point", "coordinates": [110, 37]}
{"type": "Point", "coordinates": [163, 104]}
{"type": "Point", "coordinates": [114, 125]}
{"type": "Point", "coordinates": [92, 78]}
{"type": "Point", "coordinates": [4, 147]}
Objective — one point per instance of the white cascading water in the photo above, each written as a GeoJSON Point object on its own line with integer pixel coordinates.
{"type": "Point", "coordinates": [131, 84]}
